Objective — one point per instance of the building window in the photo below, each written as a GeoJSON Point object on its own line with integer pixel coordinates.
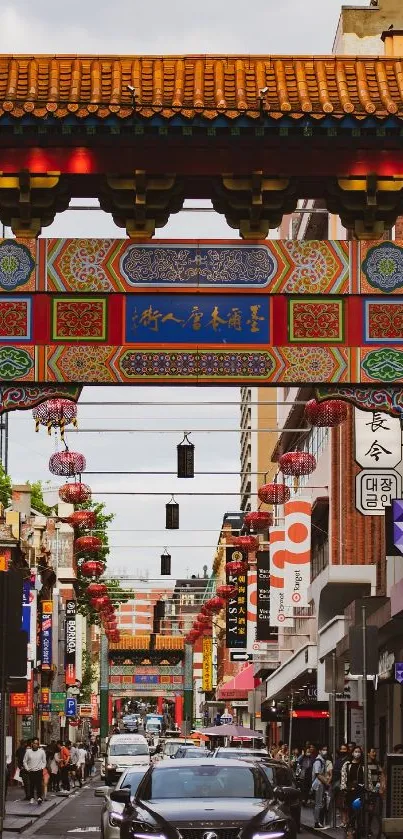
{"type": "Point", "coordinates": [320, 540]}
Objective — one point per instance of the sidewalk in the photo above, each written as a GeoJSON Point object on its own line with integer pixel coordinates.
{"type": "Point", "coordinates": [307, 822]}
{"type": "Point", "coordinates": [20, 814]}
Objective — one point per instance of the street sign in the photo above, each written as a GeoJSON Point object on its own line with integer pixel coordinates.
{"type": "Point", "coordinates": [240, 655]}
{"type": "Point", "coordinates": [399, 672]}
{"type": "Point", "coordinates": [58, 701]}
{"type": "Point", "coordinates": [226, 719]}
{"type": "Point", "coordinates": [378, 439]}
{"type": "Point", "coordinates": [44, 707]}
{"type": "Point", "coordinates": [71, 707]}
{"type": "Point", "coordinates": [85, 710]}
{"type": "Point", "coordinates": [375, 489]}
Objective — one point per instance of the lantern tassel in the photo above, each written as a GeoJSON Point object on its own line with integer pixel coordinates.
{"type": "Point", "coordinates": [37, 424]}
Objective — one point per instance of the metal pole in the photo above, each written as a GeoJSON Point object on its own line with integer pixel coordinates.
{"type": "Point", "coordinates": [364, 707]}
{"type": "Point", "coordinates": [290, 728]}
{"type": "Point", "coordinates": [333, 727]}
{"type": "Point", "coordinates": [3, 700]}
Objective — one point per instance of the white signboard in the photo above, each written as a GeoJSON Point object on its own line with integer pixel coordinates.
{"type": "Point", "coordinates": [378, 439]}
{"type": "Point", "coordinates": [297, 567]}
{"type": "Point", "coordinates": [281, 613]}
{"type": "Point", "coordinates": [375, 489]}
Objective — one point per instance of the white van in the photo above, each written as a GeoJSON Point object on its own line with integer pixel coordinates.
{"type": "Point", "coordinates": [122, 751]}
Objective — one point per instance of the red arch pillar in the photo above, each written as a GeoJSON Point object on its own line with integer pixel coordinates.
{"type": "Point", "coordinates": [179, 710]}
{"type": "Point", "coordinates": [160, 704]}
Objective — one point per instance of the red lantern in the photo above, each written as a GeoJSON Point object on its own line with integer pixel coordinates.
{"type": "Point", "coordinates": [203, 619]}
{"type": "Point", "coordinates": [87, 543]}
{"type": "Point", "coordinates": [193, 635]}
{"type": "Point", "coordinates": [101, 603]}
{"type": "Point", "coordinates": [76, 493]}
{"type": "Point", "coordinates": [274, 493]}
{"type": "Point", "coordinates": [227, 592]}
{"type": "Point", "coordinates": [55, 413]}
{"type": "Point", "coordinates": [328, 414]}
{"type": "Point", "coordinates": [258, 521]}
{"type": "Point", "coordinates": [216, 604]}
{"type": "Point", "coordinates": [92, 568]}
{"type": "Point", "coordinates": [96, 589]}
{"type": "Point", "coordinates": [297, 463]}
{"type": "Point", "coordinates": [246, 543]}
{"type": "Point", "coordinates": [107, 611]}
{"type": "Point", "coordinates": [67, 463]}
{"type": "Point", "coordinates": [114, 637]}
{"type": "Point", "coordinates": [203, 609]}
{"type": "Point", "coordinates": [82, 518]}
{"type": "Point", "coordinates": [236, 567]}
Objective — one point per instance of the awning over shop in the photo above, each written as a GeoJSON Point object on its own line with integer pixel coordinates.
{"type": "Point", "coordinates": [292, 672]}
{"type": "Point", "coordinates": [238, 687]}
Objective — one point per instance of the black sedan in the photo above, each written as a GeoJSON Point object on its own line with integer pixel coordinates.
{"type": "Point", "coordinates": [210, 799]}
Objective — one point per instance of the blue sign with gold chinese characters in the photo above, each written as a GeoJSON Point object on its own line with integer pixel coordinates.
{"type": "Point", "coordinates": [197, 319]}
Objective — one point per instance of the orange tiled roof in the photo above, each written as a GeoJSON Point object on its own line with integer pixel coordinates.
{"type": "Point", "coordinates": [132, 642]}
{"type": "Point", "coordinates": [201, 85]}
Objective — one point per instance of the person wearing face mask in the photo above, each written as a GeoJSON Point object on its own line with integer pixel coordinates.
{"type": "Point", "coordinates": [319, 784]}
{"type": "Point", "coordinates": [353, 778]}
{"type": "Point", "coordinates": [342, 757]}
{"type": "Point", "coordinates": [34, 763]}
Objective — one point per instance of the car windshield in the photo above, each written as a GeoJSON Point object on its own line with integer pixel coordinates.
{"type": "Point", "coordinates": [131, 781]}
{"type": "Point", "coordinates": [191, 753]}
{"type": "Point", "coordinates": [236, 754]}
{"type": "Point", "coordinates": [203, 781]}
{"type": "Point", "coordinates": [128, 749]}
{"type": "Point", "coordinates": [170, 748]}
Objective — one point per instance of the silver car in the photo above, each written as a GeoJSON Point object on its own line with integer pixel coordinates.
{"type": "Point", "coordinates": [111, 813]}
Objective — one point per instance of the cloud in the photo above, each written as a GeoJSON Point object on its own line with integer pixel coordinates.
{"type": "Point", "coordinates": [160, 27]}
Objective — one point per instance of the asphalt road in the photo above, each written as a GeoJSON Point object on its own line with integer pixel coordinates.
{"type": "Point", "coordinates": [79, 816]}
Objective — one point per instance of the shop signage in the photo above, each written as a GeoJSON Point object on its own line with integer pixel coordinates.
{"type": "Point", "coordinates": [94, 706]}
{"type": "Point", "coordinates": [399, 672]}
{"type": "Point", "coordinates": [378, 439]}
{"type": "Point", "coordinates": [375, 489]}
{"type": "Point", "coordinates": [297, 567]}
{"type": "Point", "coordinates": [58, 702]}
{"type": "Point", "coordinates": [45, 704]}
{"type": "Point", "coordinates": [23, 702]}
{"type": "Point", "coordinates": [207, 670]}
{"type": "Point", "coordinates": [85, 711]}
{"type": "Point", "coordinates": [46, 634]}
{"type": "Point", "coordinates": [281, 613]}
{"type": "Point", "coordinates": [264, 632]}
{"type": "Point", "coordinates": [70, 642]}
{"type": "Point", "coordinates": [237, 606]}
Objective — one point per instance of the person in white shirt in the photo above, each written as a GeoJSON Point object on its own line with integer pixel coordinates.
{"type": "Point", "coordinates": [80, 765]}
{"type": "Point", "coordinates": [34, 764]}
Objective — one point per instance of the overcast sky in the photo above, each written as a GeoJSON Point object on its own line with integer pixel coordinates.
{"type": "Point", "coordinates": [158, 27]}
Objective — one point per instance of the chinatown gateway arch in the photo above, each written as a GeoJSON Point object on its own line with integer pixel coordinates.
{"type": "Point", "coordinates": [255, 135]}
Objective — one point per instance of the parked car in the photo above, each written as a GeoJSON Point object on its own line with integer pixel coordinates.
{"type": "Point", "coordinates": [171, 746]}
{"type": "Point", "coordinates": [191, 752]}
{"type": "Point", "coordinates": [230, 799]}
{"type": "Point", "coordinates": [111, 813]}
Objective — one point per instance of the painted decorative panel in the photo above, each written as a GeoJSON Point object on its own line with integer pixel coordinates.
{"type": "Point", "coordinates": [15, 318]}
{"type": "Point", "coordinates": [383, 321]}
{"type": "Point", "coordinates": [195, 318]}
{"type": "Point", "coordinates": [313, 320]}
{"type": "Point", "coordinates": [79, 319]}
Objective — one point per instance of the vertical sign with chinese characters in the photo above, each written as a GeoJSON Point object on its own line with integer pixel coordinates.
{"type": "Point", "coordinates": [237, 606]}
{"type": "Point", "coordinates": [375, 489]}
{"type": "Point", "coordinates": [207, 670]}
{"type": "Point", "coordinates": [378, 439]}
{"type": "Point", "coordinates": [46, 634]}
{"type": "Point", "coordinates": [281, 613]}
{"type": "Point", "coordinates": [264, 632]}
{"type": "Point", "coordinates": [70, 642]}
{"type": "Point", "coordinates": [297, 568]}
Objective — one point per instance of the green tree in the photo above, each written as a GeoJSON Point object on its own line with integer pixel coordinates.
{"type": "Point", "coordinates": [89, 673]}
{"type": "Point", "coordinates": [37, 502]}
{"type": "Point", "coordinates": [5, 487]}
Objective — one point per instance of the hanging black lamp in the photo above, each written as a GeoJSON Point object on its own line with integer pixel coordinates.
{"type": "Point", "coordinates": [172, 515]}
{"type": "Point", "coordinates": [186, 458]}
{"type": "Point", "coordinates": [165, 564]}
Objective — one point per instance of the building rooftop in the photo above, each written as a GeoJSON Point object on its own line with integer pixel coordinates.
{"type": "Point", "coordinates": [200, 85]}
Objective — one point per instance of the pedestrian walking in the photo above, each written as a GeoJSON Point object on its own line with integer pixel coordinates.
{"type": "Point", "coordinates": [80, 766]}
{"type": "Point", "coordinates": [34, 764]}
{"type": "Point", "coordinates": [74, 763]}
{"type": "Point", "coordinates": [55, 771]}
{"type": "Point", "coordinates": [64, 764]}
{"type": "Point", "coordinates": [319, 784]}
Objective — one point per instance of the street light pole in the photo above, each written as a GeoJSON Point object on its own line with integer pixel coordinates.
{"type": "Point", "coordinates": [365, 707]}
